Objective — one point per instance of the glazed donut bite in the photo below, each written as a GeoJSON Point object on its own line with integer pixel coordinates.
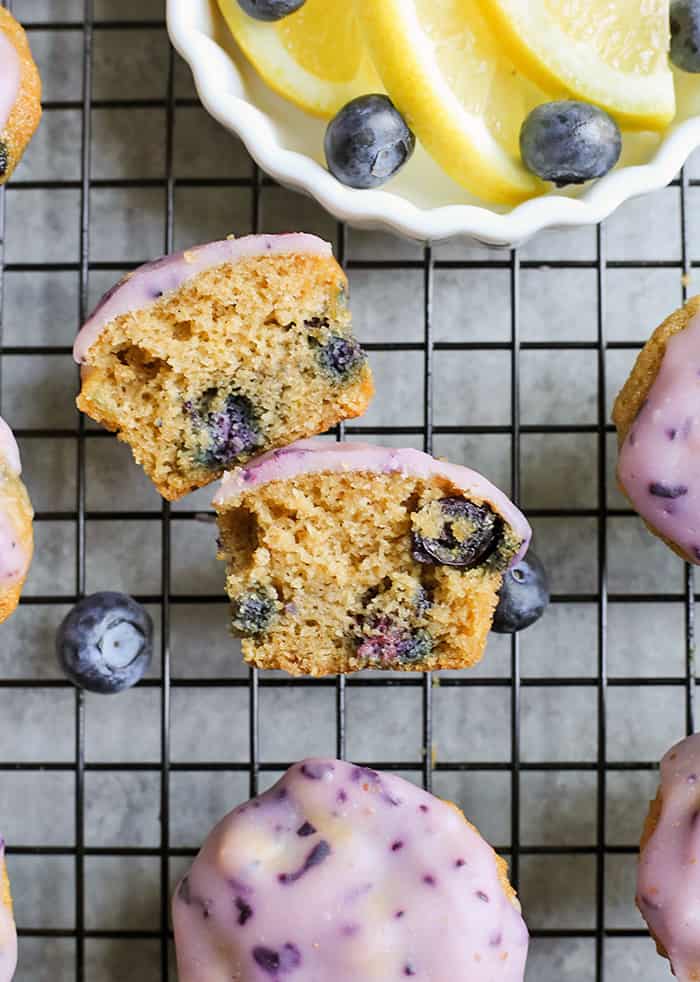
{"type": "Point", "coordinates": [340, 872]}
{"type": "Point", "coordinates": [8, 932]}
{"type": "Point", "coordinates": [668, 880]}
{"type": "Point", "coordinates": [344, 556]}
{"type": "Point", "coordinates": [16, 534]}
{"type": "Point", "coordinates": [657, 415]}
{"type": "Point", "coordinates": [20, 94]}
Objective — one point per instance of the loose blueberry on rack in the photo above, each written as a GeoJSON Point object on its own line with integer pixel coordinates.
{"type": "Point", "coordinates": [466, 533]}
{"type": "Point", "coordinates": [569, 142]}
{"type": "Point", "coordinates": [523, 596]}
{"type": "Point", "coordinates": [368, 142]}
{"type": "Point", "coordinates": [685, 34]}
{"type": "Point", "coordinates": [105, 643]}
{"type": "Point", "coordinates": [270, 9]}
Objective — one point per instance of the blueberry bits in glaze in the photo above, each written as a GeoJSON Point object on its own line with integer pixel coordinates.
{"type": "Point", "coordinates": [245, 911]}
{"type": "Point", "coordinates": [363, 912]}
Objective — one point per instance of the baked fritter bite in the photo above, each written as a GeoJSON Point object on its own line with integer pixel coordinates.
{"type": "Point", "coordinates": [205, 358]}
{"type": "Point", "coordinates": [348, 556]}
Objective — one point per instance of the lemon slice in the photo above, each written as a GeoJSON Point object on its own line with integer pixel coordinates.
{"type": "Point", "coordinates": [444, 70]}
{"type": "Point", "coordinates": [613, 53]}
{"type": "Point", "coordinates": [316, 57]}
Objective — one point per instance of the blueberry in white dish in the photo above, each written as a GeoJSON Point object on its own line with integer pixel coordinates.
{"type": "Point", "coordinates": [368, 142]}
{"type": "Point", "coordinates": [523, 596]}
{"type": "Point", "coordinates": [270, 10]}
{"type": "Point", "coordinates": [570, 142]}
{"type": "Point", "coordinates": [685, 35]}
{"type": "Point", "coordinates": [105, 643]}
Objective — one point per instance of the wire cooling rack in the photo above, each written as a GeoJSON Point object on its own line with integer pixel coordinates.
{"type": "Point", "coordinates": [74, 944]}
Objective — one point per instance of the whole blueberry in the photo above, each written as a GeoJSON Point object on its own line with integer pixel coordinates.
{"type": "Point", "coordinates": [467, 533]}
{"type": "Point", "coordinates": [569, 142]}
{"type": "Point", "coordinates": [341, 358]}
{"type": "Point", "coordinates": [368, 142]}
{"type": "Point", "coordinates": [105, 643]}
{"type": "Point", "coordinates": [685, 34]}
{"type": "Point", "coordinates": [270, 9]}
{"type": "Point", "coordinates": [384, 642]}
{"type": "Point", "coordinates": [233, 432]}
{"type": "Point", "coordinates": [4, 158]}
{"type": "Point", "coordinates": [254, 611]}
{"type": "Point", "coordinates": [523, 596]}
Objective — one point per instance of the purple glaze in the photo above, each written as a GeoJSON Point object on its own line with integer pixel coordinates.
{"type": "Point", "coordinates": [8, 933]}
{"type": "Point", "coordinates": [659, 462]}
{"type": "Point", "coordinates": [10, 78]}
{"type": "Point", "coordinates": [363, 914]}
{"type": "Point", "coordinates": [668, 878]}
{"type": "Point", "coordinates": [318, 455]}
{"type": "Point", "coordinates": [145, 285]}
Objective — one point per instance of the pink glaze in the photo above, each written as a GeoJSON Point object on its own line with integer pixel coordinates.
{"type": "Point", "coordinates": [147, 284]}
{"type": "Point", "coordinates": [659, 463]}
{"type": "Point", "coordinates": [668, 880]}
{"type": "Point", "coordinates": [317, 455]}
{"type": "Point", "coordinates": [341, 874]}
{"type": "Point", "coordinates": [8, 933]}
{"type": "Point", "coordinates": [10, 77]}
{"type": "Point", "coordinates": [14, 558]}
{"type": "Point", "coordinates": [9, 450]}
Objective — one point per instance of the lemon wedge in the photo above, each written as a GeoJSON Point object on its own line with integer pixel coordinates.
{"type": "Point", "coordinates": [315, 57]}
{"type": "Point", "coordinates": [613, 53]}
{"type": "Point", "coordinates": [444, 70]}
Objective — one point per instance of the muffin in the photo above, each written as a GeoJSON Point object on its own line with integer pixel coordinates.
{"type": "Point", "coordinates": [349, 556]}
{"type": "Point", "coordinates": [16, 534]}
{"type": "Point", "coordinates": [668, 877]}
{"type": "Point", "coordinates": [20, 94]}
{"type": "Point", "coordinates": [657, 415]}
{"type": "Point", "coordinates": [203, 359]}
{"type": "Point", "coordinates": [8, 933]}
{"type": "Point", "coordinates": [340, 872]}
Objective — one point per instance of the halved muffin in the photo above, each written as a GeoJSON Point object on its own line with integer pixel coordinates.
{"type": "Point", "coordinates": [348, 556]}
{"type": "Point", "coordinates": [206, 358]}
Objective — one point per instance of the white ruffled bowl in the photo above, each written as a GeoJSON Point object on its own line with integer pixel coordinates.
{"type": "Point", "coordinates": [422, 202]}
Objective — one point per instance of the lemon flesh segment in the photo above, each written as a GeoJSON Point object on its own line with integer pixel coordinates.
{"type": "Point", "coordinates": [443, 69]}
{"type": "Point", "coordinates": [613, 53]}
{"type": "Point", "coordinates": [315, 57]}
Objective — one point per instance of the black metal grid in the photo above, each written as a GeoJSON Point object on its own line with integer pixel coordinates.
{"type": "Point", "coordinates": [602, 682]}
